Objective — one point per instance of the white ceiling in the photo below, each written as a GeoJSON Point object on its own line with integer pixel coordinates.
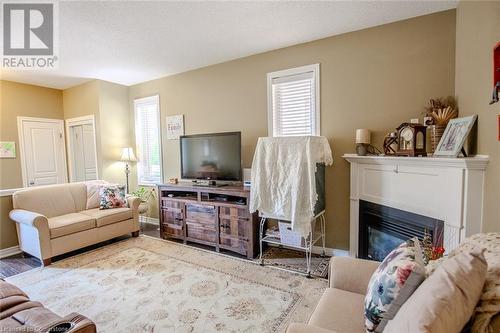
{"type": "Point", "coordinates": [133, 42]}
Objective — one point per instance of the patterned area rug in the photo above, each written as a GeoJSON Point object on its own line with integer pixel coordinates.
{"type": "Point", "coordinates": [150, 285]}
{"type": "Point", "coordinates": [295, 260]}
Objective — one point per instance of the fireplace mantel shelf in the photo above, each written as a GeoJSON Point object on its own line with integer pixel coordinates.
{"type": "Point", "coordinates": [447, 189]}
{"type": "Point", "coordinates": [478, 162]}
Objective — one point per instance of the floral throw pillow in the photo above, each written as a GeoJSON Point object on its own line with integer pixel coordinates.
{"type": "Point", "coordinates": [394, 281]}
{"type": "Point", "coordinates": [112, 197]}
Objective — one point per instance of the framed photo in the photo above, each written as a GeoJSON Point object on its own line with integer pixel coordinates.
{"type": "Point", "coordinates": [454, 136]}
{"type": "Point", "coordinates": [175, 127]}
{"type": "Point", "coordinates": [7, 149]}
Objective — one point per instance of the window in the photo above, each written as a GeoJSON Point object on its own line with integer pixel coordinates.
{"type": "Point", "coordinates": [293, 101]}
{"type": "Point", "coordinates": [147, 138]}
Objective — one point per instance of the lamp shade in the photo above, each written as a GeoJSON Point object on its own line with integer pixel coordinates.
{"type": "Point", "coordinates": [128, 155]}
{"type": "Point", "coordinates": [363, 136]}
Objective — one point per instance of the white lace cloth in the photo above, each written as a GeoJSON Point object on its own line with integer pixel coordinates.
{"type": "Point", "coordinates": [283, 178]}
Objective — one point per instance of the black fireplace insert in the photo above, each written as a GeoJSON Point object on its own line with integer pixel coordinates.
{"type": "Point", "coordinates": [382, 228]}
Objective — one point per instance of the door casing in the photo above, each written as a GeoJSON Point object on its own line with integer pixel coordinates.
{"type": "Point", "coordinates": [84, 120]}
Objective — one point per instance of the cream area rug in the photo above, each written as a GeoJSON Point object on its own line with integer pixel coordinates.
{"type": "Point", "coordinates": [150, 285]}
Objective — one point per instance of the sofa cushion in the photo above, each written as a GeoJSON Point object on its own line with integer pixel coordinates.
{"type": "Point", "coordinates": [52, 200]}
{"type": "Point", "coordinates": [8, 302]}
{"type": "Point", "coordinates": [39, 317]}
{"type": "Point", "coordinates": [93, 187]}
{"type": "Point", "coordinates": [69, 224]}
{"type": "Point", "coordinates": [394, 281]}
{"type": "Point", "coordinates": [108, 216]}
{"type": "Point", "coordinates": [7, 290]}
{"type": "Point", "coordinates": [445, 301]}
{"type": "Point", "coordinates": [25, 305]}
{"type": "Point", "coordinates": [340, 311]}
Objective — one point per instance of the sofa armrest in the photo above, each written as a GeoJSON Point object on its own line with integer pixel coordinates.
{"type": "Point", "coordinates": [351, 274]}
{"type": "Point", "coordinates": [29, 218]}
{"type": "Point", "coordinates": [35, 243]}
{"type": "Point", "coordinates": [133, 203]}
{"type": "Point", "coordinates": [303, 328]}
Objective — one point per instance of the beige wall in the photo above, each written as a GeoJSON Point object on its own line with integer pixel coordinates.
{"type": "Point", "coordinates": [478, 30]}
{"type": "Point", "coordinates": [108, 102]}
{"type": "Point", "coordinates": [8, 233]}
{"type": "Point", "coordinates": [114, 128]}
{"type": "Point", "coordinates": [374, 78]}
{"type": "Point", "coordinates": [18, 99]}
{"type": "Point", "coordinates": [25, 100]}
{"type": "Point", "coordinates": [83, 100]}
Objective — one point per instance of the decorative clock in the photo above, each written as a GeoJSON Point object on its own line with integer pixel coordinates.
{"type": "Point", "coordinates": [411, 140]}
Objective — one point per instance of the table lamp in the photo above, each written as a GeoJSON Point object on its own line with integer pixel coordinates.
{"type": "Point", "coordinates": [127, 156]}
{"type": "Point", "coordinates": [362, 141]}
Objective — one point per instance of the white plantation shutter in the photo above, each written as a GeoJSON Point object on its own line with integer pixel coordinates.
{"type": "Point", "coordinates": [294, 101]}
{"type": "Point", "coordinates": [147, 137]}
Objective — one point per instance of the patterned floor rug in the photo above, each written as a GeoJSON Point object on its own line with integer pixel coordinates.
{"type": "Point", "coordinates": [149, 285]}
{"type": "Point", "coordinates": [296, 261]}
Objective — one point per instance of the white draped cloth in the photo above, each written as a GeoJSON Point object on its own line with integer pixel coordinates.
{"type": "Point", "coordinates": [283, 178]}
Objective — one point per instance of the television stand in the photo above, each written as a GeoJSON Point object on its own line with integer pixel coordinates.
{"type": "Point", "coordinates": [209, 215]}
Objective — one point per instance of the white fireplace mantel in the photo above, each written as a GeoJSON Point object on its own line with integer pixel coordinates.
{"type": "Point", "coordinates": [448, 189]}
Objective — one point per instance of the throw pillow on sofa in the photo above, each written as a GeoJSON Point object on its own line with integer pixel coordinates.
{"type": "Point", "coordinates": [93, 197]}
{"type": "Point", "coordinates": [112, 197]}
{"type": "Point", "coordinates": [445, 301]}
{"type": "Point", "coordinates": [397, 277]}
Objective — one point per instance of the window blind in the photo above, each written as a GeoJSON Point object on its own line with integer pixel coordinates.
{"type": "Point", "coordinates": [147, 135]}
{"type": "Point", "coordinates": [293, 103]}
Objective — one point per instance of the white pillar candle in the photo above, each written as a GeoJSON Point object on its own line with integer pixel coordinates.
{"type": "Point", "coordinates": [363, 136]}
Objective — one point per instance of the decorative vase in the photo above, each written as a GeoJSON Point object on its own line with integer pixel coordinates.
{"type": "Point", "coordinates": [437, 132]}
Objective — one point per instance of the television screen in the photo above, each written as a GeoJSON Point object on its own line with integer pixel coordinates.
{"type": "Point", "coordinates": [211, 156]}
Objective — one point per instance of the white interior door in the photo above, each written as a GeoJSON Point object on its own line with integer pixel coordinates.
{"type": "Point", "coordinates": [43, 158]}
{"type": "Point", "coordinates": [82, 152]}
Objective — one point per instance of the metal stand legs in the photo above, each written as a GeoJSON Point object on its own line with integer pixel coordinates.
{"type": "Point", "coordinates": [309, 241]}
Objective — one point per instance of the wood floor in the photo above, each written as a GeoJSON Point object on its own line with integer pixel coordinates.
{"type": "Point", "coordinates": [20, 263]}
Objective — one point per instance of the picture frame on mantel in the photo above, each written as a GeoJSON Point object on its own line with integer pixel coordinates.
{"type": "Point", "coordinates": [453, 139]}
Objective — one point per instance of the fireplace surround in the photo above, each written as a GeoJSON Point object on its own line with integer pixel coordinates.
{"type": "Point", "coordinates": [382, 228]}
{"type": "Point", "coordinates": [446, 189]}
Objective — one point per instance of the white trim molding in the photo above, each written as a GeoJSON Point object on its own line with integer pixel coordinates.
{"type": "Point", "coordinates": [447, 189]}
{"type": "Point", "coordinates": [10, 251]}
{"type": "Point", "coordinates": [8, 192]}
{"type": "Point", "coordinates": [84, 120]}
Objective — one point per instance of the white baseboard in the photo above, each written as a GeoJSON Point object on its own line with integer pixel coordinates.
{"type": "Point", "coordinates": [10, 251]}
{"type": "Point", "coordinates": [330, 251]}
{"type": "Point", "coordinates": [149, 220]}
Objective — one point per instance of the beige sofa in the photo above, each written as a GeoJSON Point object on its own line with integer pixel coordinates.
{"type": "Point", "coordinates": [341, 308]}
{"type": "Point", "coordinates": [56, 219]}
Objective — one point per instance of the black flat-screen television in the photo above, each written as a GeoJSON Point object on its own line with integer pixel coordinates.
{"type": "Point", "coordinates": [214, 156]}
